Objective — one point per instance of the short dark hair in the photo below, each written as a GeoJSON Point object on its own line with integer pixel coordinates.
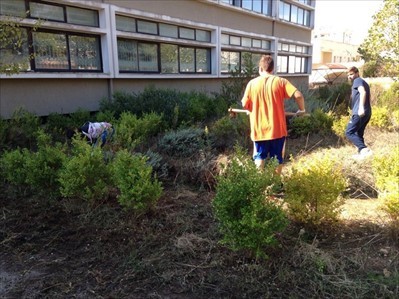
{"type": "Point", "coordinates": [353, 69]}
{"type": "Point", "coordinates": [266, 62]}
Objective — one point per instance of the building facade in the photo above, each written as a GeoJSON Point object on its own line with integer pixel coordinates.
{"type": "Point", "coordinates": [75, 53]}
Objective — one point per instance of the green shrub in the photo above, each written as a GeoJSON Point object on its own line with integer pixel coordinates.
{"type": "Point", "coordinates": [317, 122]}
{"type": "Point", "coordinates": [43, 166]}
{"type": "Point", "coordinates": [22, 129]}
{"type": "Point", "coordinates": [314, 188]}
{"type": "Point", "coordinates": [12, 165]}
{"type": "Point", "coordinates": [390, 97]}
{"type": "Point", "coordinates": [132, 176]}
{"type": "Point", "coordinates": [386, 173]}
{"type": "Point", "coordinates": [380, 118]}
{"type": "Point", "coordinates": [227, 132]}
{"type": "Point", "coordinates": [79, 117]}
{"type": "Point", "coordinates": [133, 131]}
{"type": "Point", "coordinates": [3, 133]}
{"type": "Point", "coordinates": [339, 125]}
{"type": "Point", "coordinates": [248, 216]}
{"type": "Point", "coordinates": [57, 125]}
{"type": "Point", "coordinates": [85, 174]}
{"type": "Point", "coordinates": [183, 143]}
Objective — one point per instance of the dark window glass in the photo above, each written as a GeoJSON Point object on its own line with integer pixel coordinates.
{"type": "Point", "coordinates": [84, 53]}
{"type": "Point", "coordinates": [46, 12]}
{"type": "Point", "coordinates": [169, 59]}
{"type": "Point", "coordinates": [125, 24]}
{"type": "Point", "coordinates": [187, 33]}
{"type": "Point", "coordinates": [148, 57]}
{"type": "Point", "coordinates": [203, 61]}
{"type": "Point", "coordinates": [15, 53]}
{"type": "Point", "coordinates": [127, 55]}
{"type": "Point", "coordinates": [13, 8]}
{"type": "Point", "coordinates": [168, 30]}
{"type": "Point", "coordinates": [230, 61]}
{"type": "Point", "coordinates": [187, 60]}
{"type": "Point", "coordinates": [51, 50]}
{"type": "Point", "coordinates": [81, 16]}
{"type": "Point", "coordinates": [147, 27]}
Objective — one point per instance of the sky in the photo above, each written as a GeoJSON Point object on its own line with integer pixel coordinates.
{"type": "Point", "coordinates": [341, 15]}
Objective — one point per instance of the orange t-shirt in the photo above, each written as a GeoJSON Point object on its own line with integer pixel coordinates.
{"type": "Point", "coordinates": [264, 97]}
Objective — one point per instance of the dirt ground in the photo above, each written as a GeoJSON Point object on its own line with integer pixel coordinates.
{"type": "Point", "coordinates": [63, 249]}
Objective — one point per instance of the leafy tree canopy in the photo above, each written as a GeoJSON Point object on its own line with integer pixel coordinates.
{"type": "Point", "coordinates": [381, 47]}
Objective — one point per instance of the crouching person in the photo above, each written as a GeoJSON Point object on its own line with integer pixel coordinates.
{"type": "Point", "coordinates": [97, 131]}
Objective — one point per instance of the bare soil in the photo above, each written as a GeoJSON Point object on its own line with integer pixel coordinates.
{"type": "Point", "coordinates": [58, 248]}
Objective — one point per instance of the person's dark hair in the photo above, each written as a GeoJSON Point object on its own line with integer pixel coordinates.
{"type": "Point", "coordinates": [266, 62]}
{"type": "Point", "coordinates": [353, 69]}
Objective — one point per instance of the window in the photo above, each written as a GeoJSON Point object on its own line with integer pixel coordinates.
{"type": "Point", "coordinates": [294, 61]}
{"type": "Point", "coordinates": [294, 14]}
{"type": "Point", "coordinates": [46, 12]}
{"type": "Point", "coordinates": [81, 16]}
{"type": "Point", "coordinates": [169, 59]}
{"type": "Point", "coordinates": [125, 24]}
{"type": "Point", "coordinates": [147, 27]}
{"type": "Point", "coordinates": [50, 12]}
{"type": "Point", "coordinates": [64, 51]}
{"type": "Point", "coordinates": [238, 61]}
{"type": "Point", "coordinates": [17, 53]}
{"type": "Point", "coordinates": [13, 8]}
{"type": "Point", "coordinates": [128, 24]}
{"type": "Point", "coordinates": [260, 6]}
{"type": "Point", "coordinates": [230, 61]}
{"type": "Point", "coordinates": [168, 30]}
{"type": "Point", "coordinates": [140, 56]}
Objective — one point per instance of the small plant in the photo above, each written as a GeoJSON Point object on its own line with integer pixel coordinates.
{"type": "Point", "coordinates": [22, 128]}
{"type": "Point", "coordinates": [133, 131]}
{"type": "Point", "coordinates": [314, 188]}
{"type": "Point", "coordinates": [386, 172]}
{"type": "Point", "coordinates": [85, 175]}
{"type": "Point", "coordinates": [133, 177]}
{"type": "Point", "coordinates": [227, 132]}
{"type": "Point", "coordinates": [380, 118]}
{"type": "Point", "coordinates": [43, 166]}
{"type": "Point", "coordinates": [12, 165]}
{"type": "Point", "coordinates": [339, 125]}
{"type": "Point", "coordinates": [243, 205]}
{"type": "Point", "coordinates": [183, 143]}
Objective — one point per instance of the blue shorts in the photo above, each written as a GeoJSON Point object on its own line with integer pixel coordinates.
{"type": "Point", "coordinates": [270, 148]}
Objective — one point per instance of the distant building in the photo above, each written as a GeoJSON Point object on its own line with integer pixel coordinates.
{"type": "Point", "coordinates": [84, 51]}
{"type": "Point", "coordinates": [333, 52]}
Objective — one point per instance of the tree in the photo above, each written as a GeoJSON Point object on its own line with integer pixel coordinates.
{"type": "Point", "coordinates": [380, 49]}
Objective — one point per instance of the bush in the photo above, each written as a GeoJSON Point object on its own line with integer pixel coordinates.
{"type": "Point", "coordinates": [43, 166]}
{"type": "Point", "coordinates": [85, 175]}
{"type": "Point", "coordinates": [227, 132]}
{"type": "Point", "coordinates": [22, 129]}
{"type": "Point", "coordinates": [380, 118]}
{"type": "Point", "coordinates": [12, 165]}
{"type": "Point", "coordinates": [313, 190]}
{"type": "Point", "coordinates": [390, 97]}
{"type": "Point", "coordinates": [248, 216]}
{"type": "Point", "coordinates": [183, 143]}
{"type": "Point", "coordinates": [133, 131]}
{"type": "Point", "coordinates": [339, 125]}
{"type": "Point", "coordinates": [317, 122]}
{"type": "Point", "coordinates": [132, 176]}
{"type": "Point", "coordinates": [386, 173]}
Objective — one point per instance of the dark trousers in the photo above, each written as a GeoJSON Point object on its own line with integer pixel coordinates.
{"type": "Point", "coordinates": [355, 130]}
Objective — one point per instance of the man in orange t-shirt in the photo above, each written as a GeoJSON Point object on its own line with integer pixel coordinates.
{"type": "Point", "coordinates": [264, 98]}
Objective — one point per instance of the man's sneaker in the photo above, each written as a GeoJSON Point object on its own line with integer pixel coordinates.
{"type": "Point", "coordinates": [363, 154]}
